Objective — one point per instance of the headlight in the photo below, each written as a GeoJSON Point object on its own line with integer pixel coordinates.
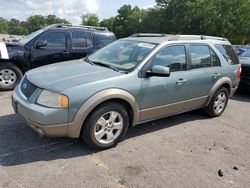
{"type": "Point", "coordinates": [53, 100]}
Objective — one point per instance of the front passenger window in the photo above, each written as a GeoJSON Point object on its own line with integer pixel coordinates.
{"type": "Point", "coordinates": [173, 57]}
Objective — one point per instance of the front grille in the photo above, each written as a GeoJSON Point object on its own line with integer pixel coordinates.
{"type": "Point", "coordinates": [27, 88]}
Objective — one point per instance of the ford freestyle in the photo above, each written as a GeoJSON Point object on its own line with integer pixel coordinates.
{"type": "Point", "coordinates": [130, 81]}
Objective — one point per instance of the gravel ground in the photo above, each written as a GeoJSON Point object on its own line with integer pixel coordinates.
{"type": "Point", "coordinates": [186, 150]}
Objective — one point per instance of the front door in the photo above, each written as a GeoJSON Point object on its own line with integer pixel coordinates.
{"type": "Point", "coordinates": [54, 50]}
{"type": "Point", "coordinates": [161, 96]}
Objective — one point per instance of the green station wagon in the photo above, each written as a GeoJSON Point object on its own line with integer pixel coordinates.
{"type": "Point", "coordinates": [133, 80]}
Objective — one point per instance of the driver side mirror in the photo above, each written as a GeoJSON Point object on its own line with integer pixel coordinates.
{"type": "Point", "coordinates": [159, 70]}
{"type": "Point", "coordinates": [41, 43]}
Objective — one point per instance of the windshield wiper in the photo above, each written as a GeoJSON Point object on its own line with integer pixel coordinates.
{"type": "Point", "coordinates": [101, 64]}
{"type": "Point", "coordinates": [105, 65]}
{"type": "Point", "coordinates": [87, 60]}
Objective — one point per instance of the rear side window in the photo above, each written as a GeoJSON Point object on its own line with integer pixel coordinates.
{"type": "Point", "coordinates": [103, 39]}
{"type": "Point", "coordinates": [202, 56]}
{"type": "Point", "coordinates": [81, 39]}
{"type": "Point", "coordinates": [228, 53]}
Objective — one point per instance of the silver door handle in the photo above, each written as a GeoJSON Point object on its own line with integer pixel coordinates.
{"type": "Point", "coordinates": [181, 81]}
{"type": "Point", "coordinates": [216, 75]}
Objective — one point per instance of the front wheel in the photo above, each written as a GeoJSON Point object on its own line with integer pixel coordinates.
{"type": "Point", "coordinates": [10, 76]}
{"type": "Point", "coordinates": [106, 126]}
{"type": "Point", "coordinates": [218, 103]}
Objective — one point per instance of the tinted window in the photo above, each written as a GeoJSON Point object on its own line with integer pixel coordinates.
{"type": "Point", "coordinates": [102, 39]}
{"type": "Point", "coordinates": [228, 53]}
{"type": "Point", "coordinates": [214, 58]}
{"type": "Point", "coordinates": [200, 56]}
{"type": "Point", "coordinates": [81, 39]}
{"type": "Point", "coordinates": [246, 53]}
{"type": "Point", "coordinates": [54, 40]}
{"type": "Point", "coordinates": [173, 57]}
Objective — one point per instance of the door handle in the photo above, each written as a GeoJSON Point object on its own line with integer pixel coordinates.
{"type": "Point", "coordinates": [181, 81]}
{"type": "Point", "coordinates": [216, 75]}
{"type": "Point", "coordinates": [66, 52]}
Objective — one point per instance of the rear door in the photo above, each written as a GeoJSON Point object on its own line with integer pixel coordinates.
{"type": "Point", "coordinates": [205, 71]}
{"type": "Point", "coordinates": [80, 44]}
{"type": "Point", "coordinates": [53, 52]}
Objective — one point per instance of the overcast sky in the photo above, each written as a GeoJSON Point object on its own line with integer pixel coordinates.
{"type": "Point", "coordinates": [69, 9]}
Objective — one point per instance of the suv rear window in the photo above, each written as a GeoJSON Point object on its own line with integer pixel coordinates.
{"type": "Point", "coordinates": [228, 53]}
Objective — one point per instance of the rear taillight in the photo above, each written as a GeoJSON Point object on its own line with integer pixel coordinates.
{"type": "Point", "coordinates": [239, 71]}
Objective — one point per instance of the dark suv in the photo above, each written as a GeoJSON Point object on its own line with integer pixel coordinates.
{"type": "Point", "coordinates": [55, 43]}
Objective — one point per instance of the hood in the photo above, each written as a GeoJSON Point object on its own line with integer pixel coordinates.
{"type": "Point", "coordinates": [61, 76]}
{"type": "Point", "coordinates": [245, 61]}
{"type": "Point", "coordinates": [14, 49]}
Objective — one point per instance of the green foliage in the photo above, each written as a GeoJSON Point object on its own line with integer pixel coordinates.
{"type": "Point", "coordinates": [227, 18]}
{"type": "Point", "coordinates": [52, 19]}
{"type": "Point", "coordinates": [3, 25]}
{"type": "Point", "coordinates": [90, 19]}
{"type": "Point", "coordinates": [35, 23]}
{"type": "Point", "coordinates": [32, 24]}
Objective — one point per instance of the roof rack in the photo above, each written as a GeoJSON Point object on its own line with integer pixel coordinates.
{"type": "Point", "coordinates": [178, 37]}
{"type": "Point", "coordinates": [149, 35]}
{"type": "Point", "coordinates": [197, 37]}
{"type": "Point", "coordinates": [80, 26]}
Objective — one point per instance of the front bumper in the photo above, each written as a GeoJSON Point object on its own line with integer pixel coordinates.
{"type": "Point", "coordinates": [46, 121]}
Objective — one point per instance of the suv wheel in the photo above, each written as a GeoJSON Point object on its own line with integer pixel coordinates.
{"type": "Point", "coordinates": [106, 126]}
{"type": "Point", "coordinates": [218, 103]}
{"type": "Point", "coordinates": [10, 76]}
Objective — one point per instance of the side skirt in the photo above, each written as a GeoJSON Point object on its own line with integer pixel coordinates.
{"type": "Point", "coordinates": [171, 109]}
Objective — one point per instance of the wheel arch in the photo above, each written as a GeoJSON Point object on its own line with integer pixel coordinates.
{"type": "Point", "coordinates": [223, 82]}
{"type": "Point", "coordinates": [107, 95]}
{"type": "Point", "coordinates": [18, 65]}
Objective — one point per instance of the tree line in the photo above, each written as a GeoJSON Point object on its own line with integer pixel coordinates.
{"type": "Point", "coordinates": [226, 18]}
{"type": "Point", "coordinates": [33, 23]}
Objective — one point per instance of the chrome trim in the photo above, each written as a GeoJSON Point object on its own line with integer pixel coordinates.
{"type": "Point", "coordinates": [20, 92]}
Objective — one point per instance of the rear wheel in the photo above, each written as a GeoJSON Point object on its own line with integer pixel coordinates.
{"type": "Point", "coordinates": [218, 103]}
{"type": "Point", "coordinates": [106, 126]}
{"type": "Point", "coordinates": [10, 76]}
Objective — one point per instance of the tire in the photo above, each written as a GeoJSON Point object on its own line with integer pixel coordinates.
{"type": "Point", "coordinates": [10, 76]}
{"type": "Point", "coordinates": [113, 123]}
{"type": "Point", "coordinates": [218, 103]}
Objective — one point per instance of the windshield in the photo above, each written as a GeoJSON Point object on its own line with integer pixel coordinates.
{"type": "Point", "coordinates": [246, 53]}
{"type": "Point", "coordinates": [30, 36]}
{"type": "Point", "coordinates": [122, 54]}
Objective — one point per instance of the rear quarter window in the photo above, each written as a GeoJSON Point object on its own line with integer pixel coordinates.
{"type": "Point", "coordinates": [228, 53]}
{"type": "Point", "coordinates": [103, 39]}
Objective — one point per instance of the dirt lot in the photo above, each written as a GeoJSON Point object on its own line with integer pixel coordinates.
{"type": "Point", "coordinates": [182, 151]}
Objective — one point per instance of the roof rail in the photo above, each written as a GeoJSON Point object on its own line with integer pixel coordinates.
{"type": "Point", "coordinates": [80, 26]}
{"type": "Point", "coordinates": [195, 37]}
{"type": "Point", "coordinates": [178, 37]}
{"type": "Point", "coordinates": [149, 35]}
